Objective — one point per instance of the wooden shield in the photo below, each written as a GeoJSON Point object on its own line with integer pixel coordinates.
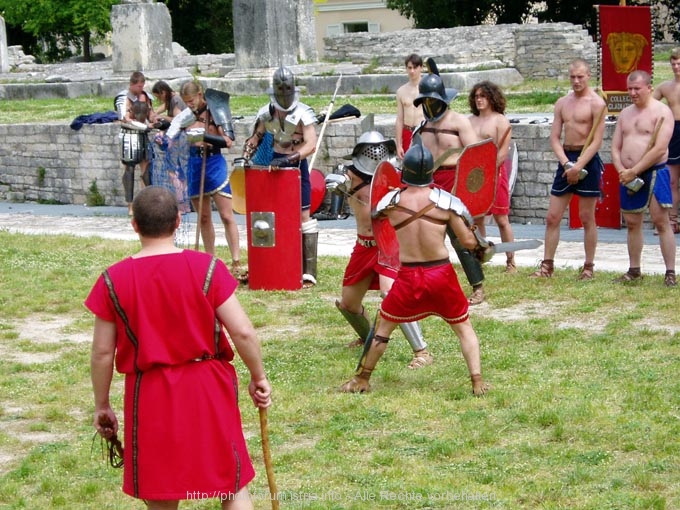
{"type": "Point", "coordinates": [237, 181]}
{"type": "Point", "coordinates": [318, 183]}
{"type": "Point", "coordinates": [477, 177]}
{"type": "Point", "coordinates": [385, 179]}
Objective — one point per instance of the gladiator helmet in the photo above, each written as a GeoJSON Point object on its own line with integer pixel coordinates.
{"type": "Point", "coordinates": [284, 94]}
{"type": "Point", "coordinates": [417, 166]}
{"type": "Point", "coordinates": [371, 149]}
{"type": "Point", "coordinates": [434, 97]}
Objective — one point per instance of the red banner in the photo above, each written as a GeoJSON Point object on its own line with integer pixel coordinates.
{"type": "Point", "coordinates": [625, 46]}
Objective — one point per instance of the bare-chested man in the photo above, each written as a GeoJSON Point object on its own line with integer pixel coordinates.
{"type": "Point", "coordinates": [487, 104]}
{"type": "Point", "coordinates": [670, 91]}
{"type": "Point", "coordinates": [640, 149]}
{"type": "Point", "coordinates": [365, 271]}
{"type": "Point", "coordinates": [408, 115]}
{"type": "Point", "coordinates": [446, 129]}
{"type": "Point", "coordinates": [426, 283]}
{"type": "Point", "coordinates": [579, 114]}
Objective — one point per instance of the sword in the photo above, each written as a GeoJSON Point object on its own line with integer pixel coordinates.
{"type": "Point", "coordinates": [528, 244]}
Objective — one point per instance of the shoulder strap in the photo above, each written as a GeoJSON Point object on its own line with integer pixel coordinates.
{"type": "Point", "coordinates": [217, 329]}
{"type": "Point", "coordinates": [416, 215]}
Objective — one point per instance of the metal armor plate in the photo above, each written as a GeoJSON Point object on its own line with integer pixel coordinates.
{"type": "Point", "coordinates": [385, 179]}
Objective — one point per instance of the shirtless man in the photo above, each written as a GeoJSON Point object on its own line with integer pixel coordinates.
{"type": "Point", "coordinates": [364, 271]}
{"type": "Point", "coordinates": [291, 123]}
{"type": "Point", "coordinates": [670, 91]}
{"type": "Point", "coordinates": [426, 283]}
{"type": "Point", "coordinates": [579, 114]}
{"type": "Point", "coordinates": [640, 149]}
{"type": "Point", "coordinates": [487, 104]}
{"type": "Point", "coordinates": [442, 130]}
{"type": "Point", "coordinates": [408, 115]}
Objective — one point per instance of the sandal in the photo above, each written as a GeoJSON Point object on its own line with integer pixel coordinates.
{"type": "Point", "coordinates": [239, 272]}
{"type": "Point", "coordinates": [477, 296]}
{"type": "Point", "coordinates": [669, 280]}
{"type": "Point", "coordinates": [421, 359]}
{"type": "Point", "coordinates": [510, 267]}
{"type": "Point", "coordinates": [479, 387]}
{"type": "Point", "coordinates": [587, 271]}
{"type": "Point", "coordinates": [308, 281]}
{"type": "Point", "coordinates": [356, 385]}
{"type": "Point", "coordinates": [627, 277]}
{"type": "Point", "coordinates": [545, 270]}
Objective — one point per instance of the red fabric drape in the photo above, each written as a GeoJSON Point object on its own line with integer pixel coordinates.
{"type": "Point", "coordinates": [625, 43]}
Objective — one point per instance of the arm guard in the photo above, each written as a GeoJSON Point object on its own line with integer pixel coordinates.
{"type": "Point", "coordinates": [215, 140]}
{"type": "Point", "coordinates": [389, 200]}
{"type": "Point", "coordinates": [185, 119]}
{"type": "Point", "coordinates": [286, 161]}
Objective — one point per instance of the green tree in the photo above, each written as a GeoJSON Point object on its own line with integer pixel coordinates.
{"type": "Point", "coordinates": [206, 29]}
{"type": "Point", "coordinates": [454, 13]}
{"type": "Point", "coordinates": [59, 25]}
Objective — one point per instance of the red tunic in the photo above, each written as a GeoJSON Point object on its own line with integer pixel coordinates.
{"type": "Point", "coordinates": [501, 203]}
{"type": "Point", "coordinates": [183, 432]}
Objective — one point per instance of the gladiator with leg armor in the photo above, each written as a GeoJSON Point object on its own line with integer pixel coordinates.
{"type": "Point", "coordinates": [443, 130]}
{"type": "Point", "coordinates": [426, 283]}
{"type": "Point", "coordinates": [364, 271]}
{"type": "Point", "coordinates": [292, 125]}
{"type": "Point", "coordinates": [134, 108]}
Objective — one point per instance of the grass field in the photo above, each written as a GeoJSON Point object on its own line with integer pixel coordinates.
{"type": "Point", "coordinates": [583, 412]}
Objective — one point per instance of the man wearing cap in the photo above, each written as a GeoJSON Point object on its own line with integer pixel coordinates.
{"type": "Point", "coordinates": [291, 123]}
{"type": "Point", "coordinates": [444, 130]}
{"type": "Point", "coordinates": [364, 271]}
{"type": "Point", "coordinates": [426, 283]}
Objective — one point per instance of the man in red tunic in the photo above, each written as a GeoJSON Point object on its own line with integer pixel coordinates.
{"type": "Point", "coordinates": [160, 315]}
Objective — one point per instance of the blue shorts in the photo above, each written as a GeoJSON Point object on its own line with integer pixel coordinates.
{"type": "Point", "coordinates": [216, 180]}
{"type": "Point", "coordinates": [305, 183]}
{"type": "Point", "coordinates": [589, 187]}
{"type": "Point", "coordinates": [657, 182]}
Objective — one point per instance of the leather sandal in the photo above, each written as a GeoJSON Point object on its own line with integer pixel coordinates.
{"type": "Point", "coordinates": [545, 270]}
{"type": "Point", "coordinates": [356, 385]}
{"type": "Point", "coordinates": [669, 280]}
{"type": "Point", "coordinates": [627, 277]}
{"type": "Point", "coordinates": [586, 271]}
{"type": "Point", "coordinates": [359, 342]}
{"type": "Point", "coordinates": [420, 360]}
{"type": "Point", "coordinates": [477, 296]}
{"type": "Point", "coordinates": [479, 387]}
{"type": "Point", "coordinates": [510, 267]}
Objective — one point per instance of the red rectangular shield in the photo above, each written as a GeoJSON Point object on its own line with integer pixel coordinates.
{"type": "Point", "coordinates": [274, 230]}
{"type": "Point", "coordinates": [607, 210]}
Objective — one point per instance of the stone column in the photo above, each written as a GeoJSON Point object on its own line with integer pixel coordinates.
{"type": "Point", "coordinates": [4, 54]}
{"type": "Point", "coordinates": [142, 36]}
{"type": "Point", "coordinates": [271, 33]}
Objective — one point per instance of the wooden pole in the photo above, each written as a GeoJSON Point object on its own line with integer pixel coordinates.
{"type": "Point", "coordinates": [264, 432]}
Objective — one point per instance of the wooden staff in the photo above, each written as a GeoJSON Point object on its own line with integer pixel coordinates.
{"type": "Point", "coordinates": [591, 135]}
{"type": "Point", "coordinates": [202, 185]}
{"type": "Point", "coordinates": [323, 126]}
{"type": "Point", "coordinates": [264, 432]}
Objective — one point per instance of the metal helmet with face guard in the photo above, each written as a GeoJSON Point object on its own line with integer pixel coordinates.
{"type": "Point", "coordinates": [417, 166]}
{"type": "Point", "coordinates": [371, 149]}
{"type": "Point", "coordinates": [283, 92]}
{"type": "Point", "coordinates": [434, 97]}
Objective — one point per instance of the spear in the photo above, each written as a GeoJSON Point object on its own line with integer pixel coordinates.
{"type": "Point", "coordinates": [323, 126]}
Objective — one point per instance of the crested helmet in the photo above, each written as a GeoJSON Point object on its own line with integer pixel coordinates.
{"type": "Point", "coordinates": [417, 166]}
{"type": "Point", "coordinates": [434, 97]}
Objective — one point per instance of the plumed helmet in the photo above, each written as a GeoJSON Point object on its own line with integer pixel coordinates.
{"type": "Point", "coordinates": [371, 149]}
{"type": "Point", "coordinates": [417, 166]}
{"type": "Point", "coordinates": [284, 93]}
{"type": "Point", "coordinates": [434, 97]}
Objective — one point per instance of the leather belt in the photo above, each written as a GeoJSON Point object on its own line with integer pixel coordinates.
{"type": "Point", "coordinates": [210, 151]}
{"type": "Point", "coordinates": [572, 148]}
{"type": "Point", "coordinates": [409, 128]}
{"type": "Point", "coordinates": [367, 243]}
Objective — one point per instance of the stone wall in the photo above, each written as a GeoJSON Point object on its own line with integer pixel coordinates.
{"type": "Point", "coordinates": [535, 50]}
{"type": "Point", "coordinates": [55, 163]}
